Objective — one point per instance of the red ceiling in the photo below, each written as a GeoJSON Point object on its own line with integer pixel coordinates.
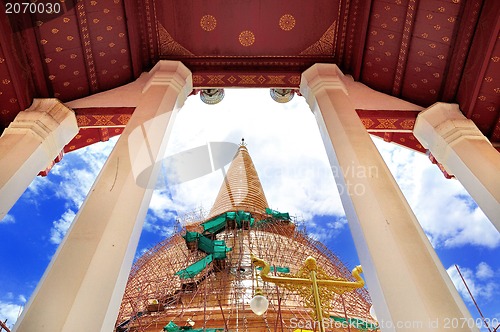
{"type": "Point", "coordinates": [422, 51]}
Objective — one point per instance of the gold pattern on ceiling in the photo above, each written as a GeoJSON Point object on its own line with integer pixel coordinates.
{"type": "Point", "coordinates": [208, 23]}
{"type": "Point", "coordinates": [324, 46]}
{"type": "Point", "coordinates": [168, 46]}
{"type": "Point", "coordinates": [246, 38]}
{"type": "Point", "coordinates": [287, 22]}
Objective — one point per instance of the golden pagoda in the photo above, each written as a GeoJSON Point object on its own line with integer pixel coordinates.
{"type": "Point", "coordinates": [203, 277]}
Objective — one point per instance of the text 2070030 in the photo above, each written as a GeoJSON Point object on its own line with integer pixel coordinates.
{"type": "Point", "coordinates": [32, 8]}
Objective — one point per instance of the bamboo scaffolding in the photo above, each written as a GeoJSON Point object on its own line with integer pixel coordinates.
{"type": "Point", "coordinates": [219, 296]}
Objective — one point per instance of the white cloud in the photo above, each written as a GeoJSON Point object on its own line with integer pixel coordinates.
{"type": "Point", "coordinates": [326, 231]}
{"type": "Point", "coordinates": [483, 289]}
{"type": "Point", "coordinates": [61, 226]}
{"type": "Point", "coordinates": [443, 207]}
{"type": "Point", "coordinates": [10, 311]}
{"type": "Point", "coordinates": [283, 141]}
{"type": "Point", "coordinates": [484, 271]}
{"type": "Point", "coordinates": [75, 182]}
{"type": "Point", "coordinates": [8, 219]}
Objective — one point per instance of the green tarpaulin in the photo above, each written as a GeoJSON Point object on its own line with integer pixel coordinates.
{"type": "Point", "coordinates": [278, 269]}
{"type": "Point", "coordinates": [357, 323]}
{"type": "Point", "coordinates": [240, 216]}
{"type": "Point", "coordinates": [195, 268]}
{"type": "Point", "coordinates": [191, 236]}
{"type": "Point", "coordinates": [277, 214]}
{"type": "Point", "coordinates": [216, 247]}
{"type": "Point", "coordinates": [215, 225]}
{"type": "Point", "coordinates": [172, 327]}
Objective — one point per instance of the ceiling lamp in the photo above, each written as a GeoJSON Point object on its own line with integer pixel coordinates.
{"type": "Point", "coordinates": [212, 96]}
{"type": "Point", "coordinates": [282, 95]}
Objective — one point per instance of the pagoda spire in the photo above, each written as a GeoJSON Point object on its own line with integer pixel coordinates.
{"type": "Point", "coordinates": [241, 189]}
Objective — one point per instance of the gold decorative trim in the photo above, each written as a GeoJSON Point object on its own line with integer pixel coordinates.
{"type": "Point", "coordinates": [324, 46]}
{"type": "Point", "coordinates": [168, 46]}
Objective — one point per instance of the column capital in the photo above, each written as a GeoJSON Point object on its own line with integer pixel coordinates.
{"type": "Point", "coordinates": [322, 76]}
{"type": "Point", "coordinates": [465, 152]}
{"type": "Point", "coordinates": [30, 143]}
{"type": "Point", "coordinates": [42, 120]}
{"type": "Point", "coordinates": [169, 73]}
{"type": "Point", "coordinates": [443, 125]}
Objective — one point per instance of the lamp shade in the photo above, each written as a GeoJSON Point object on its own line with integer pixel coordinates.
{"type": "Point", "coordinates": [259, 304]}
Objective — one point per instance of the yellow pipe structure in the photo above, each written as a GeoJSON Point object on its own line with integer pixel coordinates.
{"type": "Point", "coordinates": [338, 286]}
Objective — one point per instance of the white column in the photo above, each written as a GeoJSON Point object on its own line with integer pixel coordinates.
{"type": "Point", "coordinates": [30, 143]}
{"type": "Point", "coordinates": [82, 288]}
{"type": "Point", "coordinates": [465, 152]}
{"type": "Point", "coordinates": [405, 278]}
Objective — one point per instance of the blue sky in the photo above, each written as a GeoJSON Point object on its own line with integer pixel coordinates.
{"type": "Point", "coordinates": [286, 148]}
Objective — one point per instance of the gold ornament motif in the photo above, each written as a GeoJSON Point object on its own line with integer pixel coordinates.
{"type": "Point", "coordinates": [168, 46]}
{"type": "Point", "coordinates": [103, 120]}
{"type": "Point", "coordinates": [278, 80]}
{"type": "Point", "coordinates": [208, 23]}
{"type": "Point", "coordinates": [367, 122]}
{"type": "Point", "coordinates": [316, 288]}
{"type": "Point", "coordinates": [82, 120]}
{"type": "Point", "coordinates": [246, 79]}
{"type": "Point", "coordinates": [408, 124]}
{"type": "Point", "coordinates": [287, 22]}
{"type": "Point", "coordinates": [246, 38]}
{"type": "Point", "coordinates": [324, 46]}
{"type": "Point", "coordinates": [197, 79]}
{"type": "Point", "coordinates": [215, 79]}
{"type": "Point", "coordinates": [124, 118]}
